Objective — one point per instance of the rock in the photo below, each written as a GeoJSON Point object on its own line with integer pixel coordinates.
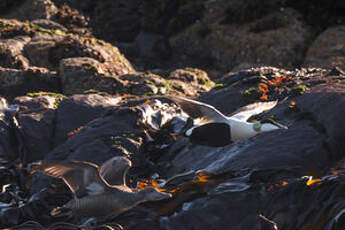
{"type": "Point", "coordinates": [36, 118]}
{"type": "Point", "coordinates": [7, 138]}
{"type": "Point", "coordinates": [81, 74]}
{"type": "Point", "coordinates": [11, 52]}
{"type": "Point", "coordinates": [116, 21]}
{"type": "Point", "coordinates": [55, 46]}
{"type": "Point", "coordinates": [71, 18]}
{"type": "Point", "coordinates": [18, 82]}
{"type": "Point", "coordinates": [76, 111]}
{"type": "Point", "coordinates": [191, 81]}
{"type": "Point", "coordinates": [38, 50]}
{"type": "Point", "coordinates": [327, 50]}
{"type": "Point", "coordinates": [33, 9]}
{"type": "Point", "coordinates": [271, 39]}
{"type": "Point", "coordinates": [49, 24]}
{"type": "Point", "coordinates": [101, 139]}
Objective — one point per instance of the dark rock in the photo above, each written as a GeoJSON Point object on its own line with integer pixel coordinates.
{"type": "Point", "coordinates": [11, 53]}
{"type": "Point", "coordinates": [7, 136]}
{"type": "Point", "coordinates": [77, 110]}
{"type": "Point", "coordinates": [36, 118]}
{"type": "Point", "coordinates": [81, 74]}
{"type": "Point", "coordinates": [35, 9]}
{"type": "Point", "coordinates": [101, 139]}
{"type": "Point", "coordinates": [116, 21]}
{"type": "Point", "coordinates": [254, 42]}
{"type": "Point", "coordinates": [37, 50]}
{"type": "Point", "coordinates": [18, 82]}
{"type": "Point", "coordinates": [53, 46]}
{"type": "Point", "coordinates": [328, 49]}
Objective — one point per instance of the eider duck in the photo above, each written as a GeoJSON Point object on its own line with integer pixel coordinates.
{"type": "Point", "coordinates": [93, 195]}
{"type": "Point", "coordinates": [210, 127]}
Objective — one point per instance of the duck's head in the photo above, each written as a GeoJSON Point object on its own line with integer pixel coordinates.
{"type": "Point", "coordinates": [152, 194]}
{"type": "Point", "coordinates": [267, 125]}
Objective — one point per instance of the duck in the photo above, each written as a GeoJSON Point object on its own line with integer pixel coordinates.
{"type": "Point", "coordinates": [208, 126]}
{"type": "Point", "coordinates": [93, 196]}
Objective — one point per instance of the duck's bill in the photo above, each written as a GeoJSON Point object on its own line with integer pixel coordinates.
{"type": "Point", "coordinates": [273, 122]}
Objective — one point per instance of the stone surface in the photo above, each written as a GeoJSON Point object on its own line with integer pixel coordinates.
{"type": "Point", "coordinates": [33, 9]}
{"type": "Point", "coordinates": [278, 38]}
{"type": "Point", "coordinates": [11, 53]}
{"type": "Point", "coordinates": [81, 74]}
{"type": "Point", "coordinates": [76, 111]}
{"type": "Point", "coordinates": [7, 138]}
{"type": "Point", "coordinates": [328, 49]}
{"type": "Point", "coordinates": [36, 118]}
{"type": "Point", "coordinates": [18, 82]}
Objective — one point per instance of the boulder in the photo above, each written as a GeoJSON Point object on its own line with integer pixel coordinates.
{"type": "Point", "coordinates": [11, 53]}
{"type": "Point", "coordinates": [36, 118]}
{"type": "Point", "coordinates": [78, 110]}
{"type": "Point", "coordinates": [328, 49]}
{"type": "Point", "coordinates": [16, 82]}
{"type": "Point", "coordinates": [275, 38]}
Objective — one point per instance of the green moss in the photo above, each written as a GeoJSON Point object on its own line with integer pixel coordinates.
{"type": "Point", "coordinates": [58, 96]}
{"type": "Point", "coordinates": [220, 85]}
{"type": "Point", "coordinates": [93, 91]}
{"type": "Point", "coordinates": [36, 94]}
{"type": "Point", "coordinates": [298, 90]}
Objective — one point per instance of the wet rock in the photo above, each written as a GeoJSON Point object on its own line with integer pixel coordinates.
{"type": "Point", "coordinates": [18, 82]}
{"type": "Point", "coordinates": [7, 148]}
{"type": "Point", "coordinates": [53, 46]}
{"type": "Point", "coordinates": [76, 111]}
{"type": "Point", "coordinates": [328, 49]}
{"type": "Point", "coordinates": [226, 44]}
{"type": "Point", "coordinates": [11, 53]}
{"type": "Point", "coordinates": [36, 117]}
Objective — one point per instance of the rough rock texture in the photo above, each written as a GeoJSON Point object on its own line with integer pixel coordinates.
{"type": "Point", "coordinates": [15, 82]}
{"type": "Point", "coordinates": [80, 74]}
{"type": "Point", "coordinates": [11, 53]}
{"type": "Point", "coordinates": [36, 117]}
{"type": "Point", "coordinates": [277, 38]}
{"type": "Point", "coordinates": [328, 49]}
{"type": "Point", "coordinates": [35, 9]}
{"type": "Point", "coordinates": [75, 111]}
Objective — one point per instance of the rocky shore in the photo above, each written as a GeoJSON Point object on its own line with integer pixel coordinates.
{"type": "Point", "coordinates": [85, 81]}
